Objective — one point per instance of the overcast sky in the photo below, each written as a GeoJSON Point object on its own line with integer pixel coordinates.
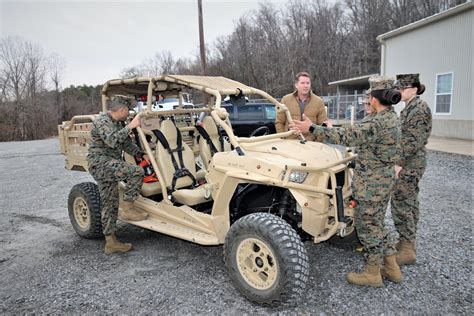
{"type": "Point", "coordinates": [97, 39]}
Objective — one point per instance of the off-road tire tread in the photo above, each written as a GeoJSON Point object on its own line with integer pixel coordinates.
{"type": "Point", "coordinates": [90, 192]}
{"type": "Point", "coordinates": [284, 239]}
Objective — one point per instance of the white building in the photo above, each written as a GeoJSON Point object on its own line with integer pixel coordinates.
{"type": "Point", "coordinates": [439, 48]}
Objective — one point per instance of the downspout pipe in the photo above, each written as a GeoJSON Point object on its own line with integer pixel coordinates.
{"type": "Point", "coordinates": [382, 57]}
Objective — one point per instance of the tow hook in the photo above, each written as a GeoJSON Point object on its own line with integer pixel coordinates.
{"type": "Point", "coordinates": [342, 229]}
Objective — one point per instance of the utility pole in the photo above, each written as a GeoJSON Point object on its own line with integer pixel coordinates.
{"type": "Point", "coordinates": [201, 39]}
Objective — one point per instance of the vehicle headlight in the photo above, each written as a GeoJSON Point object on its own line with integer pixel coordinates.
{"type": "Point", "coordinates": [298, 176]}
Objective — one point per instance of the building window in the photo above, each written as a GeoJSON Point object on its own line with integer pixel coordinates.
{"type": "Point", "coordinates": [444, 93]}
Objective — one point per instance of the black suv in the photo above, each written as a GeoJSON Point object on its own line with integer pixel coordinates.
{"type": "Point", "coordinates": [249, 117]}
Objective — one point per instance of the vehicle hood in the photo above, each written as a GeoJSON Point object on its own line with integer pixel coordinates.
{"type": "Point", "coordinates": [269, 159]}
{"type": "Point", "coordinates": [293, 152]}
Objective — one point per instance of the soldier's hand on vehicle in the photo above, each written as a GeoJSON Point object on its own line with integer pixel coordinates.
{"type": "Point", "coordinates": [301, 126]}
{"type": "Point", "coordinates": [134, 123]}
{"type": "Point", "coordinates": [147, 158]}
{"type": "Point", "coordinates": [397, 171]}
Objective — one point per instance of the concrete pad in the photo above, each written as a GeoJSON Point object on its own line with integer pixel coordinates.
{"type": "Point", "coordinates": [451, 145]}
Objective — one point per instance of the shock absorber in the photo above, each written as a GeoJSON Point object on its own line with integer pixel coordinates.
{"type": "Point", "coordinates": [339, 205]}
{"type": "Point", "coordinates": [284, 204]}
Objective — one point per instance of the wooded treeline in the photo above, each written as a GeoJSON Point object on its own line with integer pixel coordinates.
{"type": "Point", "coordinates": [32, 102]}
{"type": "Point", "coordinates": [331, 40]}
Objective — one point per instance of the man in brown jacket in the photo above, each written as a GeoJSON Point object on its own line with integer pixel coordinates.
{"type": "Point", "coordinates": [302, 101]}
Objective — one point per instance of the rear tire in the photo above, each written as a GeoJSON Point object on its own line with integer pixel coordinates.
{"type": "Point", "coordinates": [266, 259]}
{"type": "Point", "coordinates": [84, 210]}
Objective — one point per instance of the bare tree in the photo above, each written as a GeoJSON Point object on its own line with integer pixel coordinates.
{"type": "Point", "coordinates": [56, 70]}
{"type": "Point", "coordinates": [25, 100]}
{"type": "Point", "coordinates": [15, 71]}
{"type": "Point", "coordinates": [132, 72]}
{"type": "Point", "coordinates": [161, 63]}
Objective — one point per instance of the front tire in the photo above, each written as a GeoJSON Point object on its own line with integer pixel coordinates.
{"type": "Point", "coordinates": [266, 259]}
{"type": "Point", "coordinates": [84, 210]}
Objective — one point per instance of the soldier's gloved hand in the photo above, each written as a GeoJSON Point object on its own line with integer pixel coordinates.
{"type": "Point", "coordinates": [134, 123]}
{"type": "Point", "coordinates": [397, 170]}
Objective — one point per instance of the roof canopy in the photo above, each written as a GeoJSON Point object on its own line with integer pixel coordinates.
{"type": "Point", "coordinates": [164, 83]}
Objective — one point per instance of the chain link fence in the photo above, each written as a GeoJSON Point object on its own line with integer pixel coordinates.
{"type": "Point", "coordinates": [339, 107]}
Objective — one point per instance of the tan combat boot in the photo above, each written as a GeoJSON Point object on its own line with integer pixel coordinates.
{"type": "Point", "coordinates": [112, 245]}
{"type": "Point", "coordinates": [391, 270]}
{"type": "Point", "coordinates": [406, 253]}
{"type": "Point", "coordinates": [127, 213]}
{"type": "Point", "coordinates": [370, 277]}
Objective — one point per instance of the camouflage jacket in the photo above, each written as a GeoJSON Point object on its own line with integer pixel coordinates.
{"type": "Point", "coordinates": [415, 124]}
{"type": "Point", "coordinates": [375, 139]}
{"type": "Point", "coordinates": [108, 139]}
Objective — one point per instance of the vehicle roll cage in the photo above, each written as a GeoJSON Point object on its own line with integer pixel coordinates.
{"type": "Point", "coordinates": [216, 87]}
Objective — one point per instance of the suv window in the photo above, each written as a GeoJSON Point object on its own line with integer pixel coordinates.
{"type": "Point", "coordinates": [270, 112]}
{"type": "Point", "coordinates": [249, 112]}
{"type": "Point", "coordinates": [230, 110]}
{"type": "Point", "coordinates": [248, 117]}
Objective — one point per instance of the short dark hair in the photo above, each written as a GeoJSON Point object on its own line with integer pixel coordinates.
{"type": "Point", "coordinates": [115, 105]}
{"type": "Point", "coordinates": [302, 74]}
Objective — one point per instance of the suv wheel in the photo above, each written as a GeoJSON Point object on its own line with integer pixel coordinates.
{"type": "Point", "coordinates": [84, 210]}
{"type": "Point", "coordinates": [266, 259]}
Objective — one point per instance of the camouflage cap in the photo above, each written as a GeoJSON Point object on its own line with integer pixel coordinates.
{"type": "Point", "coordinates": [115, 103]}
{"type": "Point", "coordinates": [366, 97]}
{"type": "Point", "coordinates": [380, 83]}
{"type": "Point", "coordinates": [407, 80]}
{"type": "Point", "coordinates": [118, 99]}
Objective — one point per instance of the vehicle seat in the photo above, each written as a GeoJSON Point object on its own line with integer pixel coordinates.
{"type": "Point", "coordinates": [150, 188]}
{"type": "Point", "coordinates": [179, 173]}
{"type": "Point", "coordinates": [210, 141]}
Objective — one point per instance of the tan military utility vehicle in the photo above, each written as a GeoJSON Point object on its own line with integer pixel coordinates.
{"type": "Point", "coordinates": [260, 197]}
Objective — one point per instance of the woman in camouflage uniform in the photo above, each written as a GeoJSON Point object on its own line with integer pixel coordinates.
{"type": "Point", "coordinates": [375, 139]}
{"type": "Point", "coordinates": [415, 121]}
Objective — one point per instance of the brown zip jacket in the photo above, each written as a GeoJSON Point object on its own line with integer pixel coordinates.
{"type": "Point", "coordinates": [313, 109]}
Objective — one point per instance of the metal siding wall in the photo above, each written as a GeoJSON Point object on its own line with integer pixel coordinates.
{"type": "Point", "coordinates": [444, 46]}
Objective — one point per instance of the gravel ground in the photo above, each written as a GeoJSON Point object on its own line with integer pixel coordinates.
{"type": "Point", "coordinates": [46, 268]}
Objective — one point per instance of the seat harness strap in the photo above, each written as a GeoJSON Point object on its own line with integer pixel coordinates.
{"type": "Point", "coordinates": [208, 139]}
{"type": "Point", "coordinates": [180, 170]}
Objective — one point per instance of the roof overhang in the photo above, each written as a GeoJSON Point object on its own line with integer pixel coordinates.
{"type": "Point", "coordinates": [352, 81]}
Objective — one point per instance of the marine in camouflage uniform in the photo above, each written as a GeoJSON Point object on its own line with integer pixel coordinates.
{"type": "Point", "coordinates": [375, 139]}
{"type": "Point", "coordinates": [415, 122]}
{"type": "Point", "coordinates": [108, 139]}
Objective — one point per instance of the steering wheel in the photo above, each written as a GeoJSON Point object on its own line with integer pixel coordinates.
{"type": "Point", "coordinates": [261, 131]}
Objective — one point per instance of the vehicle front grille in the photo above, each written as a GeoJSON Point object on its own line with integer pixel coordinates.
{"type": "Point", "coordinates": [340, 179]}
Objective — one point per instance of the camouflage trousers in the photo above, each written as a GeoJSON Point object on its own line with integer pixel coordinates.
{"type": "Point", "coordinates": [405, 205]}
{"type": "Point", "coordinates": [369, 220]}
{"type": "Point", "coordinates": [108, 174]}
